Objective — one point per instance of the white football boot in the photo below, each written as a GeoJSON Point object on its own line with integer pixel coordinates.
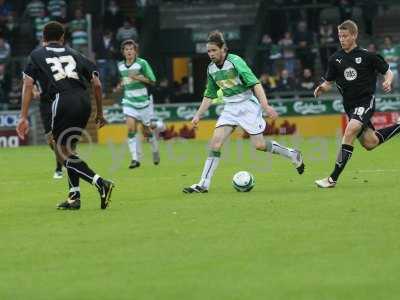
{"type": "Point", "coordinates": [325, 183]}
{"type": "Point", "coordinates": [58, 175]}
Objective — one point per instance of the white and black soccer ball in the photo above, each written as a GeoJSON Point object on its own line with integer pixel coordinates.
{"type": "Point", "coordinates": [243, 181]}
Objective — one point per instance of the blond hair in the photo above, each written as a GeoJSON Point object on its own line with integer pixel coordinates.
{"type": "Point", "coordinates": [349, 25]}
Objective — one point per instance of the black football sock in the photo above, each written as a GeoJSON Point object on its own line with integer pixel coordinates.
{"type": "Point", "coordinates": [344, 155]}
{"type": "Point", "coordinates": [73, 183]}
{"type": "Point", "coordinates": [58, 166]}
{"type": "Point", "coordinates": [82, 170]}
{"type": "Point", "coordinates": [387, 133]}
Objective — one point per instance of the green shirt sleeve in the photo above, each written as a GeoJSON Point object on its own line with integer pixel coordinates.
{"type": "Point", "coordinates": [147, 70]}
{"type": "Point", "coordinates": [245, 73]}
{"type": "Point", "coordinates": [211, 88]}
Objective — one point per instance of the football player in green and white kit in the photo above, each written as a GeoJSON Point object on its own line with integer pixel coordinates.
{"type": "Point", "coordinates": [245, 102]}
{"type": "Point", "coordinates": [136, 75]}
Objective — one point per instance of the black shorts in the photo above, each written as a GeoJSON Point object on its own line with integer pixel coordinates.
{"type": "Point", "coordinates": [70, 115]}
{"type": "Point", "coordinates": [45, 114]}
{"type": "Point", "coordinates": [362, 112]}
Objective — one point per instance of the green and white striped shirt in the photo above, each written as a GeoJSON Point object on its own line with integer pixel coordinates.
{"type": "Point", "coordinates": [234, 78]}
{"type": "Point", "coordinates": [39, 25]}
{"type": "Point", "coordinates": [55, 7]}
{"type": "Point", "coordinates": [136, 94]}
{"type": "Point", "coordinates": [78, 29]}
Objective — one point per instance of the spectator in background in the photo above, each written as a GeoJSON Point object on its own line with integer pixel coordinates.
{"type": "Point", "coordinates": [288, 52]}
{"type": "Point", "coordinates": [34, 9]}
{"type": "Point", "coordinates": [105, 50]}
{"type": "Point", "coordinates": [57, 10]}
{"type": "Point", "coordinates": [270, 53]}
{"type": "Point", "coordinates": [113, 17]}
{"type": "Point", "coordinates": [184, 87]}
{"type": "Point", "coordinates": [39, 23]}
{"type": "Point", "coordinates": [78, 29]}
{"type": "Point", "coordinates": [127, 32]}
{"type": "Point", "coordinates": [391, 53]}
{"type": "Point", "coordinates": [4, 50]}
{"type": "Point", "coordinates": [345, 8]}
{"type": "Point", "coordinates": [5, 87]}
{"type": "Point", "coordinates": [369, 11]}
{"type": "Point", "coordinates": [285, 83]}
{"type": "Point", "coordinates": [306, 83]}
{"type": "Point", "coordinates": [327, 43]}
{"type": "Point", "coordinates": [5, 12]}
{"type": "Point", "coordinates": [303, 39]}
{"type": "Point", "coordinates": [163, 92]}
{"type": "Point", "coordinates": [15, 94]}
{"type": "Point", "coordinates": [278, 20]}
{"type": "Point", "coordinates": [372, 47]}
{"type": "Point", "coordinates": [268, 83]}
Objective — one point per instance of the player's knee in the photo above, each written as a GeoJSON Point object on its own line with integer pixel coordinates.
{"type": "Point", "coordinates": [352, 131]}
{"type": "Point", "coordinates": [370, 145]}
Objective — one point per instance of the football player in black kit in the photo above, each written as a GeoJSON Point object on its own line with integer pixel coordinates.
{"type": "Point", "coordinates": [355, 72]}
{"type": "Point", "coordinates": [45, 105]}
{"type": "Point", "coordinates": [62, 73]}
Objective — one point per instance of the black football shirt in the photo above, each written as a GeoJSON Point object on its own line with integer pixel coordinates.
{"type": "Point", "coordinates": [355, 74]}
{"type": "Point", "coordinates": [56, 69]}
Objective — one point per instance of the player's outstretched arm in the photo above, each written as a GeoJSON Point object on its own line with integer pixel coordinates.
{"type": "Point", "coordinates": [260, 94]}
{"type": "Point", "coordinates": [27, 93]}
{"type": "Point", "coordinates": [387, 82]}
{"type": "Point", "coordinates": [118, 87]}
{"type": "Point", "coordinates": [205, 104]}
{"type": "Point", "coordinates": [98, 95]}
{"type": "Point", "coordinates": [322, 88]}
{"type": "Point", "coordinates": [143, 79]}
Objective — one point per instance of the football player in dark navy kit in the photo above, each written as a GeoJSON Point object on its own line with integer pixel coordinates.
{"type": "Point", "coordinates": [45, 105]}
{"type": "Point", "coordinates": [355, 72]}
{"type": "Point", "coordinates": [62, 74]}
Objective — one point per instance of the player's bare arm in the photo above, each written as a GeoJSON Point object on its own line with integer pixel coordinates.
{"type": "Point", "coordinates": [387, 82]}
{"type": "Point", "coordinates": [118, 87]}
{"type": "Point", "coordinates": [27, 95]}
{"type": "Point", "coordinates": [205, 104]}
{"type": "Point", "coordinates": [322, 88]}
{"type": "Point", "coordinates": [260, 94]}
{"type": "Point", "coordinates": [98, 94]}
{"type": "Point", "coordinates": [142, 79]}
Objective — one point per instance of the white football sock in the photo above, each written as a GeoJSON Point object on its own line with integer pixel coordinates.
{"type": "Point", "coordinates": [276, 148]}
{"type": "Point", "coordinates": [210, 166]}
{"type": "Point", "coordinates": [132, 144]}
{"type": "Point", "coordinates": [154, 143]}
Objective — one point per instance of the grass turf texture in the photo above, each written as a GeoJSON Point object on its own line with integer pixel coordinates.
{"type": "Point", "coordinates": [285, 239]}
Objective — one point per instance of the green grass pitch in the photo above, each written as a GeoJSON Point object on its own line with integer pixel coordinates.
{"type": "Point", "coordinates": [286, 239]}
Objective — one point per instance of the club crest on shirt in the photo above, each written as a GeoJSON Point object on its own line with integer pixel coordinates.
{"type": "Point", "coordinates": [350, 74]}
{"type": "Point", "coordinates": [358, 60]}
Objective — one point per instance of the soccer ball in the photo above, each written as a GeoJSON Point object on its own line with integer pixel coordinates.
{"type": "Point", "coordinates": [243, 181]}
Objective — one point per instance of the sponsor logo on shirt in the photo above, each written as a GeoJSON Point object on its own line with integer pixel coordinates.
{"type": "Point", "coordinates": [358, 60]}
{"type": "Point", "coordinates": [350, 74]}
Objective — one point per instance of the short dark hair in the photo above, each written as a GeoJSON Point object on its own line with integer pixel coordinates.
{"type": "Point", "coordinates": [53, 31]}
{"type": "Point", "coordinates": [129, 42]}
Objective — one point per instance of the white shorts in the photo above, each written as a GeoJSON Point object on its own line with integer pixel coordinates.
{"type": "Point", "coordinates": [246, 114]}
{"type": "Point", "coordinates": [143, 115]}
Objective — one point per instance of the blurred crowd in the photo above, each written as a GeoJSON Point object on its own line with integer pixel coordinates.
{"type": "Point", "coordinates": [21, 32]}
{"type": "Point", "coordinates": [295, 53]}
